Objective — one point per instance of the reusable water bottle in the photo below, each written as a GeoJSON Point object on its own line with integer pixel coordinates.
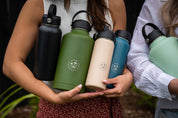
{"type": "Point", "coordinates": [100, 60]}
{"type": "Point", "coordinates": [75, 55]}
{"type": "Point", "coordinates": [49, 39]}
{"type": "Point", "coordinates": [119, 58]}
{"type": "Point", "coordinates": [163, 50]}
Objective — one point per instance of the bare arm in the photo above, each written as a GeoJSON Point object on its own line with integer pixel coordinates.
{"type": "Point", "coordinates": [21, 42]}
{"type": "Point", "coordinates": [118, 14]}
{"type": "Point", "coordinates": [121, 82]}
{"type": "Point", "coordinates": [173, 86]}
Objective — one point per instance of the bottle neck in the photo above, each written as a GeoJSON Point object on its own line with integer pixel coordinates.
{"type": "Point", "coordinates": [56, 26]}
{"type": "Point", "coordinates": [122, 38]}
{"type": "Point", "coordinates": [80, 31]}
{"type": "Point", "coordinates": [157, 41]}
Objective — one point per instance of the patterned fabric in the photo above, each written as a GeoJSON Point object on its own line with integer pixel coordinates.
{"type": "Point", "coordinates": [99, 107]}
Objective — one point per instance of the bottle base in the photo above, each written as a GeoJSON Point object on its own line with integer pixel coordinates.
{"type": "Point", "coordinates": [94, 87]}
{"type": "Point", "coordinates": [66, 87]}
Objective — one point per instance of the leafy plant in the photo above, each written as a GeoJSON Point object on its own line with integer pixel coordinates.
{"type": "Point", "coordinates": [33, 102]}
{"type": "Point", "coordinates": [4, 110]}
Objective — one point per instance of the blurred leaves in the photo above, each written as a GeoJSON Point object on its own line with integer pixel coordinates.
{"type": "Point", "coordinates": [5, 109]}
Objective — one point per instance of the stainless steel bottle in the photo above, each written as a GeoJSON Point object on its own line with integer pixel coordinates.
{"type": "Point", "coordinates": [101, 59]}
{"type": "Point", "coordinates": [163, 50]}
{"type": "Point", "coordinates": [119, 58]}
{"type": "Point", "coordinates": [49, 39]}
{"type": "Point", "coordinates": [75, 55]}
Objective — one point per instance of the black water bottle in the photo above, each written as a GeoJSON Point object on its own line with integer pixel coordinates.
{"type": "Point", "coordinates": [49, 40]}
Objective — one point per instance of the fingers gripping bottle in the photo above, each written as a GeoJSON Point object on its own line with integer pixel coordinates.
{"type": "Point", "coordinates": [163, 50]}
{"type": "Point", "coordinates": [75, 55]}
{"type": "Point", "coordinates": [49, 39]}
{"type": "Point", "coordinates": [101, 59]}
{"type": "Point", "coordinates": [119, 58]}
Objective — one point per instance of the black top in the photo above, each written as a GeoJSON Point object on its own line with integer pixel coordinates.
{"type": "Point", "coordinates": [51, 17]}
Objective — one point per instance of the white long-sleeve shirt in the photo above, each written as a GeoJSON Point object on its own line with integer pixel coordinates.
{"type": "Point", "coordinates": [148, 77]}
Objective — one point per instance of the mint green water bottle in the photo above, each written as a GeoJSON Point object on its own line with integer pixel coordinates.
{"type": "Point", "coordinates": [163, 50]}
{"type": "Point", "coordinates": [74, 57]}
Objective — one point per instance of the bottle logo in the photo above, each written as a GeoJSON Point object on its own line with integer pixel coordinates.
{"type": "Point", "coordinates": [115, 67]}
{"type": "Point", "coordinates": [73, 65]}
{"type": "Point", "coordinates": [103, 66]}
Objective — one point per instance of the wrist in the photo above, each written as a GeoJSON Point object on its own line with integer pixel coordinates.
{"type": "Point", "coordinates": [173, 88]}
{"type": "Point", "coordinates": [128, 73]}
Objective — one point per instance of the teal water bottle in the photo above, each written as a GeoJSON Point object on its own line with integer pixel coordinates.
{"type": "Point", "coordinates": [163, 50]}
{"type": "Point", "coordinates": [74, 57]}
{"type": "Point", "coordinates": [119, 58]}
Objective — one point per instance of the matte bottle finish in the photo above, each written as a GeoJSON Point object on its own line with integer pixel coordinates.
{"type": "Point", "coordinates": [74, 58]}
{"type": "Point", "coordinates": [120, 54]}
{"type": "Point", "coordinates": [49, 39]}
{"type": "Point", "coordinates": [101, 60]}
{"type": "Point", "coordinates": [163, 51]}
{"type": "Point", "coordinates": [164, 54]}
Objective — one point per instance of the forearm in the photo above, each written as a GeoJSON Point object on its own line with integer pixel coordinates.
{"type": "Point", "coordinates": [20, 74]}
{"type": "Point", "coordinates": [173, 86]}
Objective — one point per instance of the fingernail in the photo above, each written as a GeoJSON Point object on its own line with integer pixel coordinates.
{"type": "Point", "coordinates": [80, 86]}
{"type": "Point", "coordinates": [101, 93]}
{"type": "Point", "coordinates": [104, 80]}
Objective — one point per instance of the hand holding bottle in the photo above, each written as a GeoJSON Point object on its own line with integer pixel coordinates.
{"type": "Point", "coordinates": [72, 95]}
{"type": "Point", "coordinates": [121, 84]}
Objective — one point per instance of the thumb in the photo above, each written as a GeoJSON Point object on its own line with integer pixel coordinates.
{"type": "Point", "coordinates": [75, 90]}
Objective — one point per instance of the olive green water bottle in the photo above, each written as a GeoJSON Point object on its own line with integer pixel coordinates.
{"type": "Point", "coordinates": [163, 50]}
{"type": "Point", "coordinates": [75, 54]}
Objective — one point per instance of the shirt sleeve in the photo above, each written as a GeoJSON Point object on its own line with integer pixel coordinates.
{"type": "Point", "coordinates": [147, 77]}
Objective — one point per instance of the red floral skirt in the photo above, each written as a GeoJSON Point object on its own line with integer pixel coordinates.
{"type": "Point", "coordinates": [99, 107]}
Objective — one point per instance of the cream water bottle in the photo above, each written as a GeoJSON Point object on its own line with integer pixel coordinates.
{"type": "Point", "coordinates": [101, 59]}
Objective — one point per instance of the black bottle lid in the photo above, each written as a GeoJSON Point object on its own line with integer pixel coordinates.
{"type": "Point", "coordinates": [123, 34]}
{"type": "Point", "coordinates": [82, 23]}
{"type": "Point", "coordinates": [51, 17]}
{"type": "Point", "coordinates": [153, 35]}
{"type": "Point", "coordinates": [106, 33]}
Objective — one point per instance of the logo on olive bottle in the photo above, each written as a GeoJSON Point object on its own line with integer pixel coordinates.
{"type": "Point", "coordinates": [73, 65]}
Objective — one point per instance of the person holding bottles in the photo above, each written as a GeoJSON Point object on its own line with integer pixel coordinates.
{"type": "Point", "coordinates": [147, 76]}
{"type": "Point", "coordinates": [103, 104]}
